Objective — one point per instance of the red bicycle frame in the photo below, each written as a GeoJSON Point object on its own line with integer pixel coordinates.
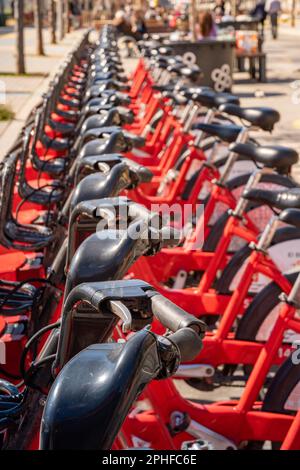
{"type": "Point", "coordinates": [238, 421]}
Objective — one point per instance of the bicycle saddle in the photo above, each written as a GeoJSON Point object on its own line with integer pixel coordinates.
{"type": "Point", "coordinates": [210, 99]}
{"type": "Point", "coordinates": [228, 133]}
{"type": "Point", "coordinates": [291, 217]}
{"type": "Point", "coordinates": [262, 117]}
{"type": "Point", "coordinates": [275, 156]}
{"type": "Point", "coordinates": [100, 185]}
{"type": "Point", "coordinates": [278, 199]}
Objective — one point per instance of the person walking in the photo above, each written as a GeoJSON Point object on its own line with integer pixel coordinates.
{"type": "Point", "coordinates": [273, 8]}
{"type": "Point", "coordinates": [259, 12]}
{"type": "Point", "coordinates": [206, 27]}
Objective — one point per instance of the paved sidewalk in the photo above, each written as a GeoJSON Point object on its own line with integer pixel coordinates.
{"type": "Point", "coordinates": [283, 70]}
{"type": "Point", "coordinates": [23, 92]}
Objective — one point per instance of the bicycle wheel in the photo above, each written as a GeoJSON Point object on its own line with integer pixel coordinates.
{"type": "Point", "coordinates": [260, 214]}
{"type": "Point", "coordinates": [259, 318]}
{"type": "Point", "coordinates": [282, 396]}
{"type": "Point", "coordinates": [284, 251]}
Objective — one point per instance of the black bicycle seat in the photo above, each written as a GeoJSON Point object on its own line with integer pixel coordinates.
{"type": "Point", "coordinates": [228, 133]}
{"type": "Point", "coordinates": [278, 199]}
{"type": "Point", "coordinates": [275, 156]}
{"type": "Point", "coordinates": [291, 217]}
{"type": "Point", "coordinates": [262, 117]}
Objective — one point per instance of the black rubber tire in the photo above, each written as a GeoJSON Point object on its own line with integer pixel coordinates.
{"type": "Point", "coordinates": [230, 271]}
{"type": "Point", "coordinates": [285, 380]}
{"type": "Point", "coordinates": [259, 309]}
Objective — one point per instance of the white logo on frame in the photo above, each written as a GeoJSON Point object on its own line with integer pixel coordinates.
{"type": "Point", "coordinates": [2, 92]}
{"type": "Point", "coordinates": [221, 78]}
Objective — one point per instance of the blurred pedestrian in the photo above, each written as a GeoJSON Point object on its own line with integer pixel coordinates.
{"type": "Point", "coordinates": [122, 22]}
{"type": "Point", "coordinates": [273, 8]}
{"type": "Point", "coordinates": [219, 9]}
{"type": "Point", "coordinates": [75, 12]}
{"type": "Point", "coordinates": [138, 25]}
{"type": "Point", "coordinates": [259, 12]}
{"type": "Point", "coordinates": [206, 26]}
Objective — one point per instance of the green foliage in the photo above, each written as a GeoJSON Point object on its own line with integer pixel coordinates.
{"type": "Point", "coordinates": [6, 113]}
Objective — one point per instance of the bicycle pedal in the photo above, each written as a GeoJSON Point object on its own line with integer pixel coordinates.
{"type": "Point", "coordinates": [196, 445]}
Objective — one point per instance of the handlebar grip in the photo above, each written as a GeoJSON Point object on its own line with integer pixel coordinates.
{"type": "Point", "coordinates": [143, 173]}
{"type": "Point", "coordinates": [173, 317]}
{"type": "Point", "coordinates": [188, 342]}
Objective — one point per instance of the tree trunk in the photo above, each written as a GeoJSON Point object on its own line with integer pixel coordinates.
{"type": "Point", "coordinates": [67, 17]}
{"type": "Point", "coordinates": [293, 14]}
{"type": "Point", "coordinates": [60, 19]}
{"type": "Point", "coordinates": [192, 20]}
{"type": "Point", "coordinates": [52, 14]}
{"type": "Point", "coordinates": [19, 15]}
{"type": "Point", "coordinates": [38, 20]}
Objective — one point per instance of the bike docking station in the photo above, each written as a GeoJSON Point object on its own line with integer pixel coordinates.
{"type": "Point", "coordinates": [150, 256]}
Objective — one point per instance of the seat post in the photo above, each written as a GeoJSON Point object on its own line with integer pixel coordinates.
{"type": "Point", "coordinates": [252, 182]}
{"type": "Point", "coordinates": [232, 157]}
{"type": "Point", "coordinates": [186, 112]}
{"type": "Point", "coordinates": [294, 295]}
{"type": "Point", "coordinates": [207, 120]}
{"type": "Point", "coordinates": [191, 117]}
{"type": "Point", "coordinates": [268, 234]}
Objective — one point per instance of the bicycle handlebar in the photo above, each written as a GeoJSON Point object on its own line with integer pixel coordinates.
{"type": "Point", "coordinates": [173, 317]}
{"type": "Point", "coordinates": [188, 342]}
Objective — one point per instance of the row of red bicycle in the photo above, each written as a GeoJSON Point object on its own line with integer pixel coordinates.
{"type": "Point", "coordinates": [147, 239]}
